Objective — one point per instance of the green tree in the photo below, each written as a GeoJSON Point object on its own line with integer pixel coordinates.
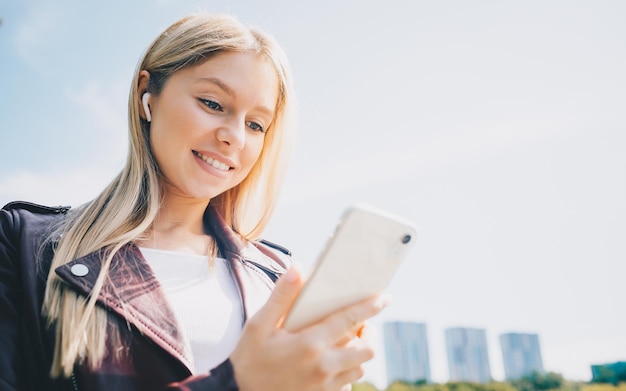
{"type": "Point", "coordinates": [432, 387]}
{"type": "Point", "coordinates": [498, 386]}
{"type": "Point", "coordinates": [363, 387]}
{"type": "Point", "coordinates": [603, 387]}
{"type": "Point", "coordinates": [463, 386]}
{"type": "Point", "coordinates": [539, 382]}
{"type": "Point", "coordinates": [402, 386]}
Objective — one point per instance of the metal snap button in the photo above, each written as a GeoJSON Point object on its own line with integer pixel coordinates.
{"type": "Point", "coordinates": [79, 270]}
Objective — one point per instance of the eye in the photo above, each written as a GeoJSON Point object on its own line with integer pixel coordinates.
{"type": "Point", "coordinates": [255, 126]}
{"type": "Point", "coordinates": [212, 104]}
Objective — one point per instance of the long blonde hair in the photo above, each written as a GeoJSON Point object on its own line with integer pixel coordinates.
{"type": "Point", "coordinates": [126, 208]}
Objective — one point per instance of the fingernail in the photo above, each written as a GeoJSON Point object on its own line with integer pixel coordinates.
{"type": "Point", "coordinates": [359, 332]}
{"type": "Point", "coordinates": [383, 301]}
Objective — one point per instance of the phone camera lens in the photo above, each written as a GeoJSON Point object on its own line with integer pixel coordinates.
{"type": "Point", "coordinates": [406, 239]}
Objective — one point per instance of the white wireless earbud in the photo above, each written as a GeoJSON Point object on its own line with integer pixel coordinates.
{"type": "Point", "coordinates": [146, 108]}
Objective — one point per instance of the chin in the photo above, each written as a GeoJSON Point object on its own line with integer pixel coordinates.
{"type": "Point", "coordinates": [197, 194]}
{"type": "Point", "coordinates": [207, 195]}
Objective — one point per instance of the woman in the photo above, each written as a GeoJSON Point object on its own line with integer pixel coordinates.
{"type": "Point", "coordinates": [148, 287]}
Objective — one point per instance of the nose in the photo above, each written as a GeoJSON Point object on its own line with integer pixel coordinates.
{"type": "Point", "coordinates": [233, 134]}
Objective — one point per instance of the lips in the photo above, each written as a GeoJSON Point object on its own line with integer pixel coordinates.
{"type": "Point", "coordinates": [213, 162]}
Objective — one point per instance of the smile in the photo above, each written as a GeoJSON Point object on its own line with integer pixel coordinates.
{"type": "Point", "coordinates": [212, 162]}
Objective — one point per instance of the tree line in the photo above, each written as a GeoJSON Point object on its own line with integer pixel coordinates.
{"type": "Point", "coordinates": [535, 382]}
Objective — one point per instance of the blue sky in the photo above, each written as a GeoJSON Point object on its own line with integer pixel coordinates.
{"type": "Point", "coordinates": [498, 127]}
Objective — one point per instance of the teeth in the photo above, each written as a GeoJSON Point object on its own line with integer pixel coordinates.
{"type": "Point", "coordinates": [215, 163]}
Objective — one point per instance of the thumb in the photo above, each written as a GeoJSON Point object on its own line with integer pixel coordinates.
{"type": "Point", "coordinates": [282, 297]}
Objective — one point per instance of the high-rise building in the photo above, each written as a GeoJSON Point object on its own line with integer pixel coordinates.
{"type": "Point", "coordinates": [521, 355]}
{"type": "Point", "coordinates": [468, 359]}
{"type": "Point", "coordinates": [406, 351]}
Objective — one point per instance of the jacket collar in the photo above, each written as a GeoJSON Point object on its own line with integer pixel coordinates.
{"type": "Point", "coordinates": [233, 246]}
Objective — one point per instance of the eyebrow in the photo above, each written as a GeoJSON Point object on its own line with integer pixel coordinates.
{"type": "Point", "coordinates": [231, 92]}
{"type": "Point", "coordinates": [220, 84]}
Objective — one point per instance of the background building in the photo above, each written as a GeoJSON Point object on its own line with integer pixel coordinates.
{"type": "Point", "coordinates": [406, 351]}
{"type": "Point", "coordinates": [609, 373]}
{"type": "Point", "coordinates": [521, 355]}
{"type": "Point", "coordinates": [468, 359]}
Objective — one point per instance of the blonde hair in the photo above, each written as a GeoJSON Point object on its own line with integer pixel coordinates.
{"type": "Point", "coordinates": [126, 209]}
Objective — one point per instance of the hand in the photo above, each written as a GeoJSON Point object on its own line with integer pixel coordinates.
{"type": "Point", "coordinates": [312, 359]}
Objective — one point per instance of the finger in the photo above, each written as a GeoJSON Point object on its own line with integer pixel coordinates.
{"type": "Point", "coordinates": [340, 366]}
{"type": "Point", "coordinates": [350, 335]}
{"type": "Point", "coordinates": [361, 332]}
{"type": "Point", "coordinates": [348, 377]}
{"type": "Point", "coordinates": [352, 368]}
{"type": "Point", "coordinates": [340, 324]}
{"type": "Point", "coordinates": [281, 299]}
{"type": "Point", "coordinates": [349, 357]}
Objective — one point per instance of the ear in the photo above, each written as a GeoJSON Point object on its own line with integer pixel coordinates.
{"type": "Point", "coordinates": [142, 88]}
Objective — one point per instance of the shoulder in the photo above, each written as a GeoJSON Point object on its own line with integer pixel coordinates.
{"type": "Point", "coordinates": [24, 228]}
{"type": "Point", "coordinates": [35, 208]}
{"type": "Point", "coordinates": [28, 211]}
{"type": "Point", "coordinates": [27, 218]}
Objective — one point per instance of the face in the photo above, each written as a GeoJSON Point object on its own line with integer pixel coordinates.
{"type": "Point", "coordinates": [209, 122]}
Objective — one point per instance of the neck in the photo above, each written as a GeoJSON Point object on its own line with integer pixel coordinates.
{"type": "Point", "coordinates": [179, 226]}
{"type": "Point", "coordinates": [181, 214]}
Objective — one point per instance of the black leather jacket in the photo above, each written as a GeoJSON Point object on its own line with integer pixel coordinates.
{"type": "Point", "coordinates": [156, 358]}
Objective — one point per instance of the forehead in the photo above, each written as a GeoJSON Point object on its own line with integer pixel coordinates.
{"type": "Point", "coordinates": [246, 76]}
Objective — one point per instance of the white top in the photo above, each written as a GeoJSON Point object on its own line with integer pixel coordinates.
{"type": "Point", "coordinates": [205, 301]}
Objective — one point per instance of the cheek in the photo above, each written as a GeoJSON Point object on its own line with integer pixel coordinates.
{"type": "Point", "coordinates": [252, 155]}
{"type": "Point", "coordinates": [166, 149]}
{"type": "Point", "coordinates": [256, 148]}
{"type": "Point", "coordinates": [157, 143]}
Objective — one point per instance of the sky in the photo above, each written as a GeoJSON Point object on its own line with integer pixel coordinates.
{"type": "Point", "coordinates": [499, 128]}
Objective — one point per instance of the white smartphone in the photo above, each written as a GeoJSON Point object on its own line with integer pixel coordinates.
{"type": "Point", "coordinates": [358, 261]}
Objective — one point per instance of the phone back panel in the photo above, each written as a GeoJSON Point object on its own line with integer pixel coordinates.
{"type": "Point", "coordinates": [358, 261]}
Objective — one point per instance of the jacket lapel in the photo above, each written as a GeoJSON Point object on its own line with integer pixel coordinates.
{"type": "Point", "coordinates": [133, 292]}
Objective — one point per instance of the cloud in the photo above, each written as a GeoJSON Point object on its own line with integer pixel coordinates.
{"type": "Point", "coordinates": [102, 107]}
{"type": "Point", "coordinates": [409, 158]}
{"type": "Point", "coordinates": [56, 187]}
{"type": "Point", "coordinates": [105, 108]}
{"type": "Point", "coordinates": [32, 34]}
{"type": "Point", "coordinates": [105, 112]}
{"type": "Point", "coordinates": [169, 3]}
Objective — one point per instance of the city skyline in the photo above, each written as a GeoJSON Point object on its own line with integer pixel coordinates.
{"type": "Point", "coordinates": [407, 357]}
